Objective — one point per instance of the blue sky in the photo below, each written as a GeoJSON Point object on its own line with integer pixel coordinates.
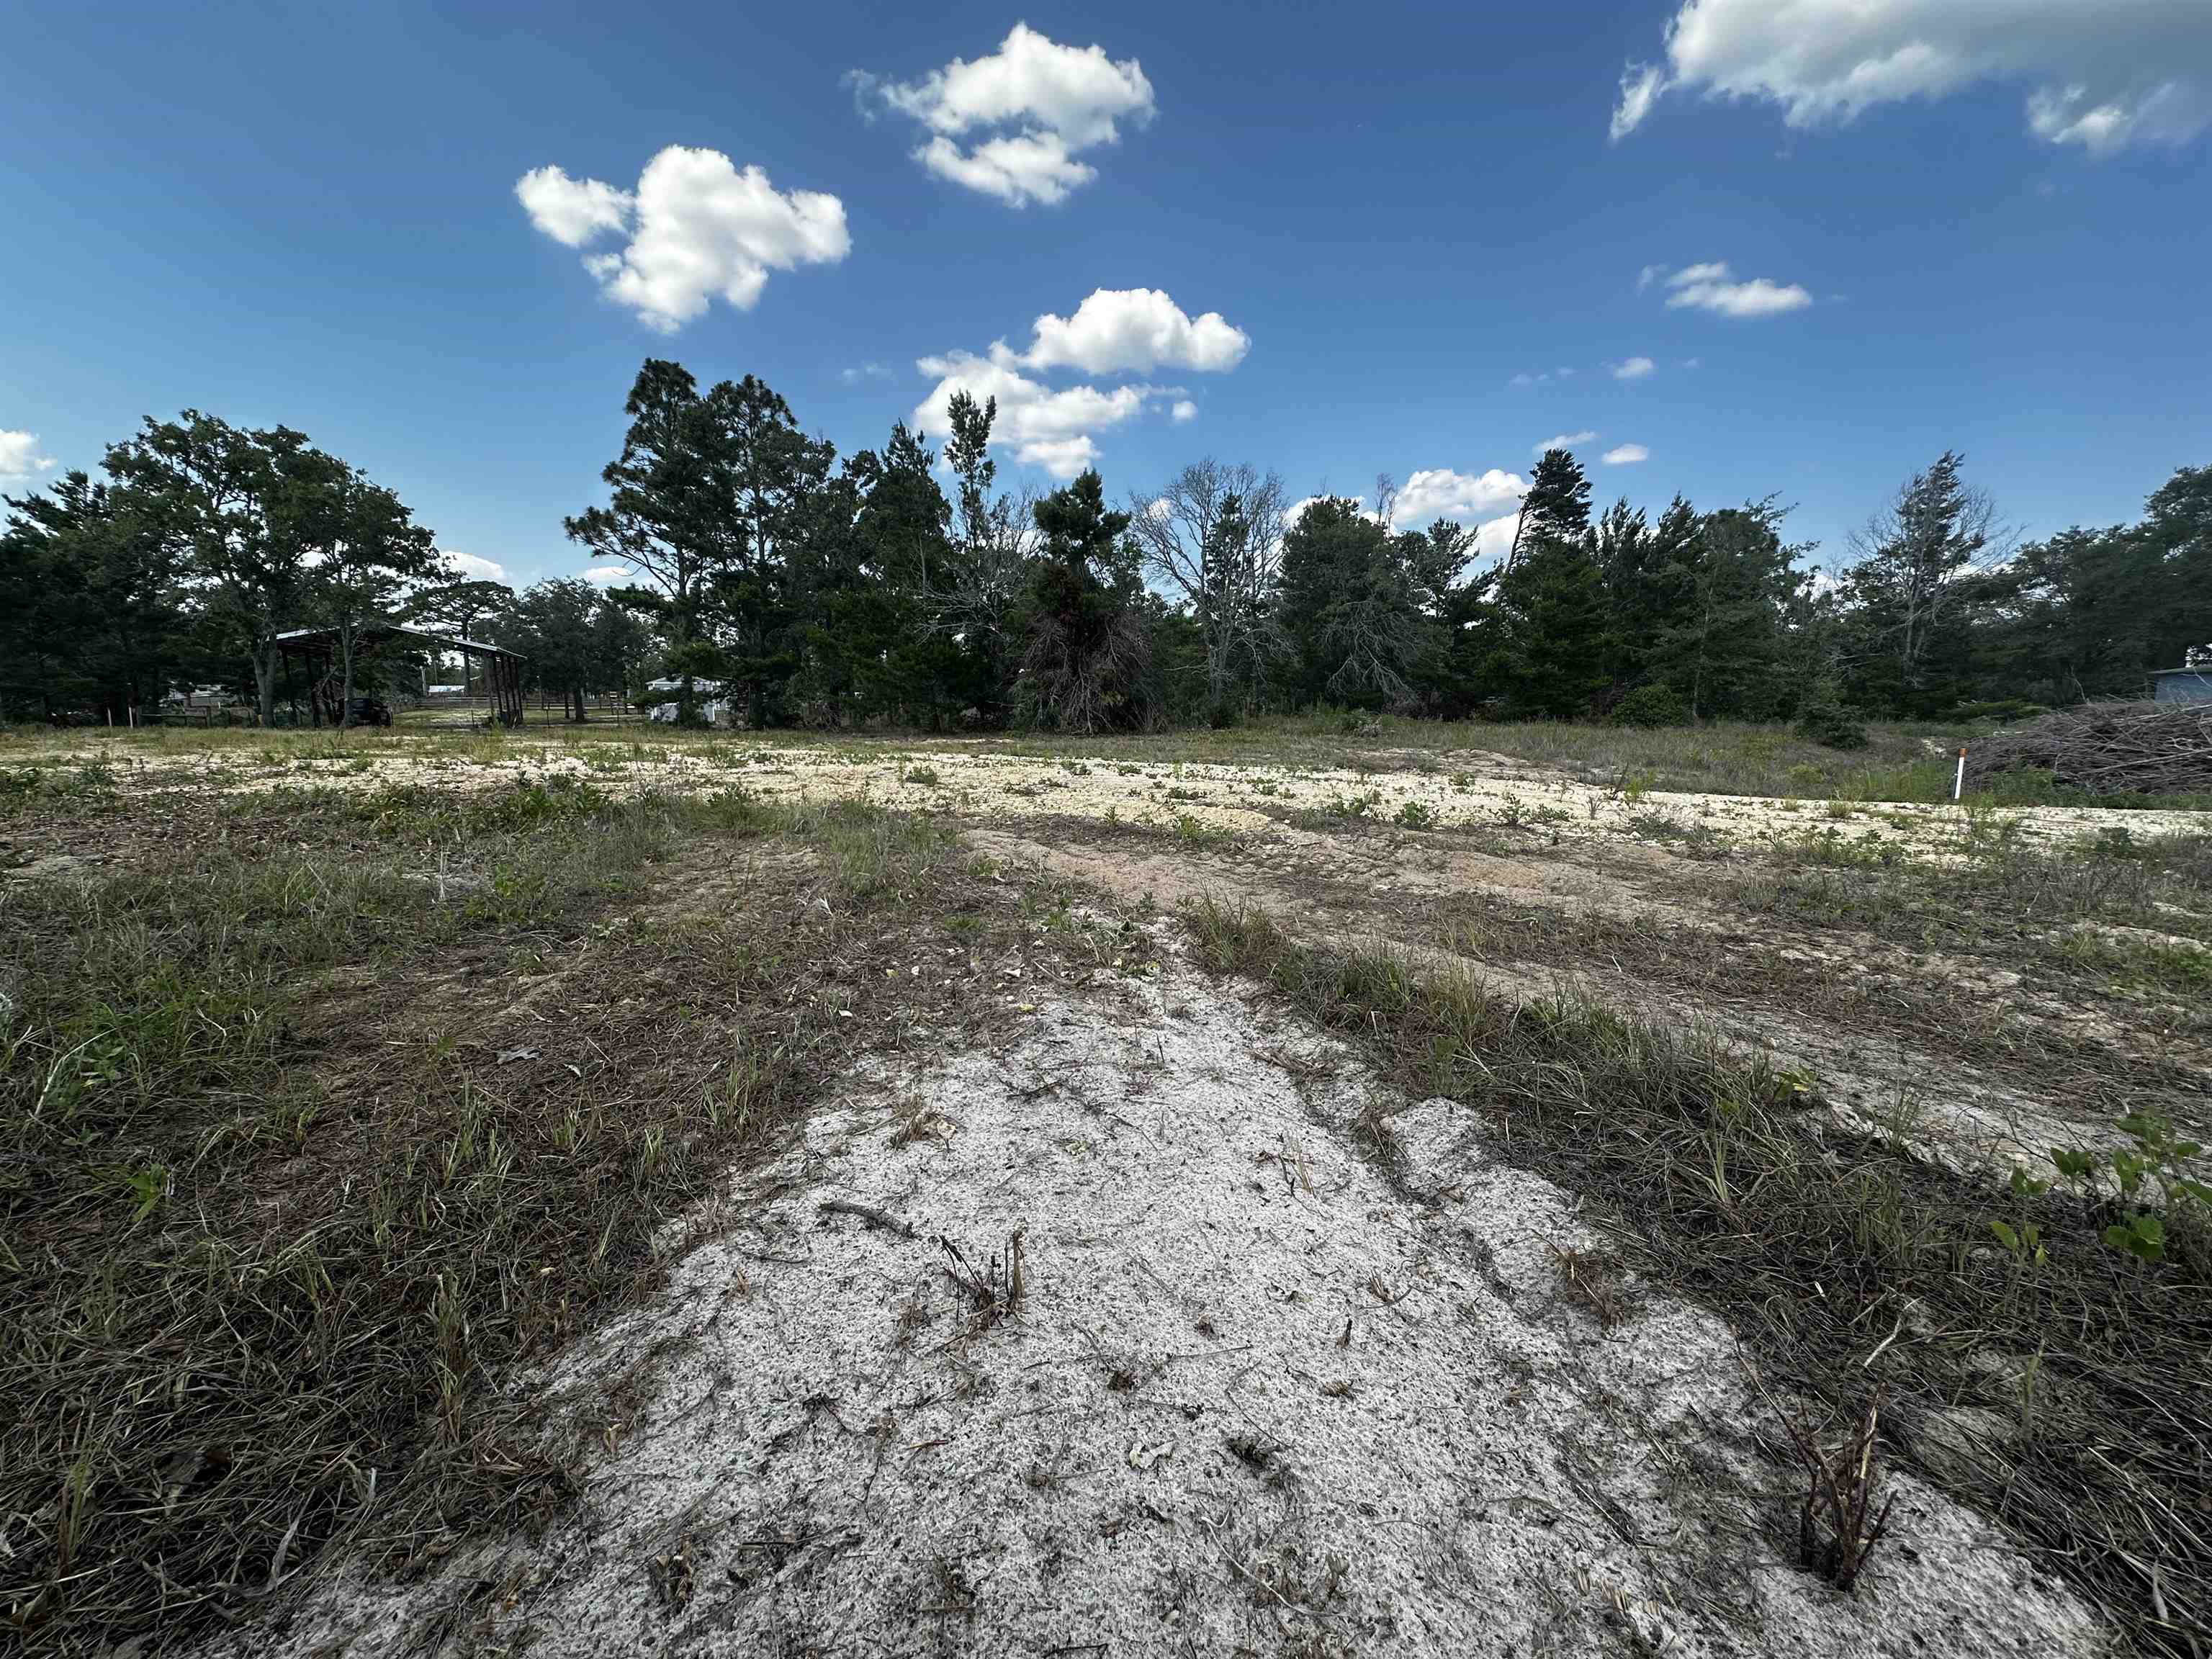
{"type": "Point", "coordinates": [1980, 228]}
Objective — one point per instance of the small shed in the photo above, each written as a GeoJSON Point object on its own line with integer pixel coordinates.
{"type": "Point", "coordinates": [2181, 685]}
{"type": "Point", "coordinates": [318, 648]}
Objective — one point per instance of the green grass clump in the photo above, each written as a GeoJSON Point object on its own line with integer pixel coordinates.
{"type": "Point", "coordinates": [273, 1216]}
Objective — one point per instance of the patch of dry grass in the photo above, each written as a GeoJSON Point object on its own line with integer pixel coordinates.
{"type": "Point", "coordinates": [1843, 1261]}
{"type": "Point", "coordinates": [305, 1139]}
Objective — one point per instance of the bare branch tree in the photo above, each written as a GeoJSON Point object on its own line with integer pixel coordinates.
{"type": "Point", "coordinates": [1214, 538]}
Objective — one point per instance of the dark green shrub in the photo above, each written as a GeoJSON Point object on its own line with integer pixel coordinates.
{"type": "Point", "coordinates": [2004, 711]}
{"type": "Point", "coordinates": [1651, 705]}
{"type": "Point", "coordinates": [1831, 725]}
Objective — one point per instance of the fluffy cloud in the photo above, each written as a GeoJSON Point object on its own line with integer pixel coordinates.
{"type": "Point", "coordinates": [1493, 538]}
{"type": "Point", "coordinates": [1563, 441]}
{"type": "Point", "coordinates": [1625, 455]}
{"type": "Point", "coordinates": [1043, 428]}
{"type": "Point", "coordinates": [1135, 330]}
{"type": "Point", "coordinates": [867, 371]}
{"type": "Point", "coordinates": [1116, 331]}
{"type": "Point", "coordinates": [1431, 493]}
{"type": "Point", "coordinates": [609, 575]}
{"type": "Point", "coordinates": [20, 457]}
{"type": "Point", "coordinates": [697, 228]}
{"type": "Point", "coordinates": [2101, 74]}
{"type": "Point", "coordinates": [1440, 493]}
{"type": "Point", "coordinates": [1036, 103]}
{"type": "Point", "coordinates": [469, 567]}
{"type": "Point", "coordinates": [1634, 369]}
{"type": "Point", "coordinates": [1713, 286]}
{"type": "Point", "coordinates": [573, 211]}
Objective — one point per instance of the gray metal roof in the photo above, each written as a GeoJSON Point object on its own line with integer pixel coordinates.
{"type": "Point", "coordinates": [394, 631]}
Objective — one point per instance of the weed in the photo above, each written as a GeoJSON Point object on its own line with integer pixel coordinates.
{"type": "Point", "coordinates": [1194, 833]}
{"type": "Point", "coordinates": [1416, 815]}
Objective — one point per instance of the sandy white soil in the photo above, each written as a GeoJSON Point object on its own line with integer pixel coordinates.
{"type": "Point", "coordinates": [1466, 787]}
{"type": "Point", "coordinates": [1277, 1385]}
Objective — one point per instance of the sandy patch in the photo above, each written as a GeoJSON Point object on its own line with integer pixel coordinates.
{"type": "Point", "coordinates": [1466, 789]}
{"type": "Point", "coordinates": [1263, 1394]}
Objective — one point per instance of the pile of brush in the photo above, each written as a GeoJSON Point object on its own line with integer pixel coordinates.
{"type": "Point", "coordinates": [2107, 748]}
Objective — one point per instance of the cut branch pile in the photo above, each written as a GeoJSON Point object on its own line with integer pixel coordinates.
{"type": "Point", "coordinates": [2107, 748]}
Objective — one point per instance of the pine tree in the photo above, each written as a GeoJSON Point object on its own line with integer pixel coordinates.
{"type": "Point", "coordinates": [1350, 607]}
{"type": "Point", "coordinates": [1558, 504]}
{"type": "Point", "coordinates": [1085, 666]}
{"type": "Point", "coordinates": [1555, 627]}
{"type": "Point", "coordinates": [1908, 646]}
{"type": "Point", "coordinates": [666, 509]}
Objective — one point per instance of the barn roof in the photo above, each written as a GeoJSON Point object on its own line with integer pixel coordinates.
{"type": "Point", "coordinates": [300, 638]}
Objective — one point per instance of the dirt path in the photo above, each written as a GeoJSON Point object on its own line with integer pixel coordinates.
{"type": "Point", "coordinates": [1263, 1393]}
{"type": "Point", "coordinates": [1815, 1007]}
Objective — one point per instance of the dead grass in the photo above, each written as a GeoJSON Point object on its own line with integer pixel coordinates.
{"type": "Point", "coordinates": [319, 1111]}
{"type": "Point", "coordinates": [1845, 1262]}
{"type": "Point", "coordinates": [2050, 912]}
{"type": "Point", "coordinates": [308, 1137]}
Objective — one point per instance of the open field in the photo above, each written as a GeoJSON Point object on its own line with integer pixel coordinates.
{"type": "Point", "coordinates": [1324, 1188]}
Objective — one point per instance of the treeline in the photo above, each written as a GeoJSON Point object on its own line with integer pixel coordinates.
{"type": "Point", "coordinates": [903, 586]}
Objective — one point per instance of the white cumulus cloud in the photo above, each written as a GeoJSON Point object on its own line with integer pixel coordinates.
{"type": "Point", "coordinates": [1010, 124]}
{"type": "Point", "coordinates": [1135, 330]}
{"type": "Point", "coordinates": [1434, 493]}
{"type": "Point", "coordinates": [470, 568]}
{"type": "Point", "coordinates": [1114, 331]}
{"type": "Point", "coordinates": [609, 575]}
{"type": "Point", "coordinates": [1625, 455]}
{"type": "Point", "coordinates": [1714, 287]}
{"type": "Point", "coordinates": [1563, 441]}
{"type": "Point", "coordinates": [573, 211]}
{"type": "Point", "coordinates": [697, 228]}
{"type": "Point", "coordinates": [20, 457]}
{"type": "Point", "coordinates": [1493, 538]}
{"type": "Point", "coordinates": [1043, 427]}
{"type": "Point", "coordinates": [1634, 369]}
{"type": "Point", "coordinates": [2102, 74]}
